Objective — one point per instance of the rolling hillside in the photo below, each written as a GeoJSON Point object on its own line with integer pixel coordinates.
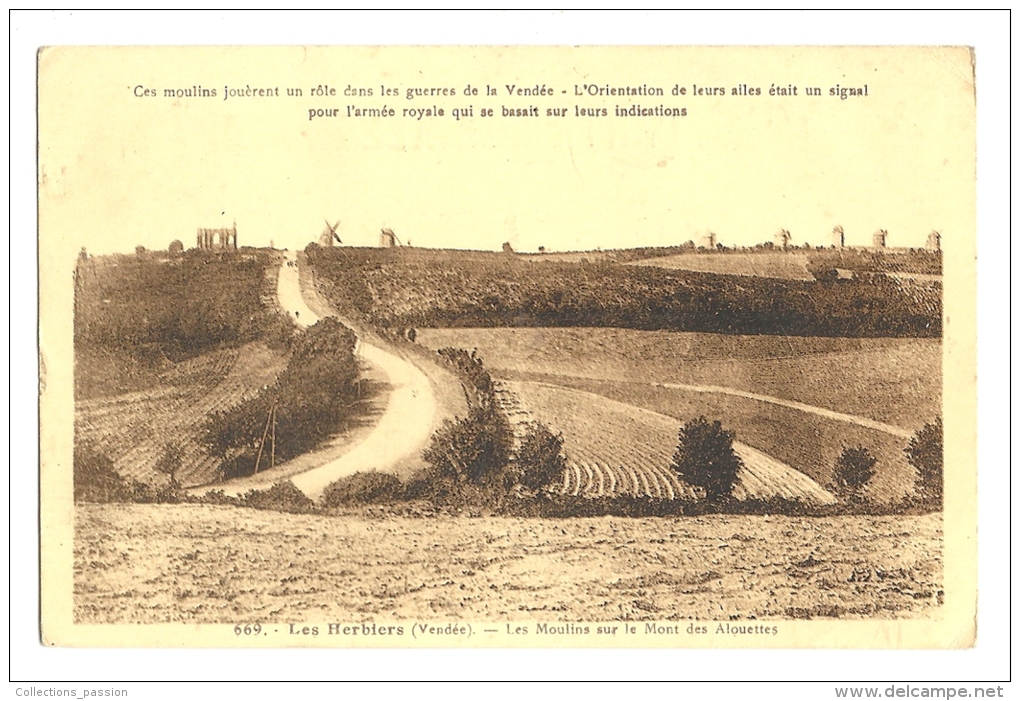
{"type": "Point", "coordinates": [614, 449]}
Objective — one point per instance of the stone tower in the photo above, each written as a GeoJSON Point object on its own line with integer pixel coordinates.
{"type": "Point", "coordinates": [838, 240]}
{"type": "Point", "coordinates": [878, 239]}
{"type": "Point", "coordinates": [222, 238]}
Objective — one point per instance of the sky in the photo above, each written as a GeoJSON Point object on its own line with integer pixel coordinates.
{"type": "Point", "coordinates": [120, 170]}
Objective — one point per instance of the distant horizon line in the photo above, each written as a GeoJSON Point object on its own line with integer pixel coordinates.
{"type": "Point", "coordinates": [765, 246]}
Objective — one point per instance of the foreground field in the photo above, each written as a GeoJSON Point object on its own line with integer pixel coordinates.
{"type": "Point", "coordinates": [206, 564]}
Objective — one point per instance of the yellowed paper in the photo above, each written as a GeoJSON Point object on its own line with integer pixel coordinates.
{"type": "Point", "coordinates": [778, 165]}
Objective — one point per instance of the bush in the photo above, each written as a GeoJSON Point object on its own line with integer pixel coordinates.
{"type": "Point", "coordinates": [469, 368]}
{"type": "Point", "coordinates": [282, 496]}
{"type": "Point", "coordinates": [705, 458]}
{"type": "Point", "coordinates": [540, 461]}
{"type": "Point", "coordinates": [217, 497]}
{"type": "Point", "coordinates": [363, 488]}
{"type": "Point", "coordinates": [95, 480]}
{"type": "Point", "coordinates": [924, 453]}
{"type": "Point", "coordinates": [854, 469]}
{"type": "Point", "coordinates": [473, 449]}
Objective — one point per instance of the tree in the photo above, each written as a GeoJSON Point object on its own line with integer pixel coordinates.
{"type": "Point", "coordinates": [170, 463]}
{"type": "Point", "coordinates": [540, 460]}
{"type": "Point", "coordinates": [705, 458]}
{"type": "Point", "coordinates": [924, 453]}
{"type": "Point", "coordinates": [854, 469]}
{"type": "Point", "coordinates": [175, 248]}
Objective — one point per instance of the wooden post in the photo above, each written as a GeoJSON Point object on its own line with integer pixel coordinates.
{"type": "Point", "coordinates": [262, 443]}
{"type": "Point", "coordinates": [272, 458]}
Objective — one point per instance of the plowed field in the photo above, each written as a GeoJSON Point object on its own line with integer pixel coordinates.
{"type": "Point", "coordinates": [206, 564]}
{"type": "Point", "coordinates": [896, 382]}
{"type": "Point", "coordinates": [133, 429]}
{"type": "Point", "coordinates": [614, 448]}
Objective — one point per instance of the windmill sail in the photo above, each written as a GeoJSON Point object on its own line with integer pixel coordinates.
{"type": "Point", "coordinates": [329, 234]}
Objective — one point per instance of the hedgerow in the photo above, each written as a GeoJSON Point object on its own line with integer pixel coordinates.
{"type": "Point", "coordinates": [313, 397]}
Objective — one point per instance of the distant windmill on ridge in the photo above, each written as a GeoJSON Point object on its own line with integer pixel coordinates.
{"type": "Point", "coordinates": [387, 239]}
{"type": "Point", "coordinates": [838, 237]}
{"type": "Point", "coordinates": [329, 234]}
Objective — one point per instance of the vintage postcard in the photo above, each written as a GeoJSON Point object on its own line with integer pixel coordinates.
{"type": "Point", "coordinates": [507, 346]}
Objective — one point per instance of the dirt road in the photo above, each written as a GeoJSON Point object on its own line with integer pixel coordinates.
{"type": "Point", "coordinates": [406, 422]}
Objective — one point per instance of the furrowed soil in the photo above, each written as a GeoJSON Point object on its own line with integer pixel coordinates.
{"type": "Point", "coordinates": [134, 429]}
{"type": "Point", "coordinates": [210, 564]}
{"type": "Point", "coordinates": [892, 381]}
{"type": "Point", "coordinates": [614, 448]}
{"type": "Point", "coordinates": [804, 441]}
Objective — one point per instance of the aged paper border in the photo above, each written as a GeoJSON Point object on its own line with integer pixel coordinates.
{"type": "Point", "coordinates": [949, 301]}
{"type": "Point", "coordinates": [948, 626]}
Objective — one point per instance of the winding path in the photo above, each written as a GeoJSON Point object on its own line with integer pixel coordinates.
{"type": "Point", "coordinates": [406, 423]}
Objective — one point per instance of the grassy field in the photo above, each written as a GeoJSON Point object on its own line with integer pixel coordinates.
{"type": "Point", "coordinates": [897, 381]}
{"type": "Point", "coordinates": [135, 316]}
{"type": "Point", "coordinates": [799, 264]}
{"type": "Point", "coordinates": [161, 341]}
{"type": "Point", "coordinates": [785, 266]}
{"type": "Point", "coordinates": [207, 564]}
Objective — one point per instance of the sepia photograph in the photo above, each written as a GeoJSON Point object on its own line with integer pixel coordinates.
{"type": "Point", "coordinates": [507, 346]}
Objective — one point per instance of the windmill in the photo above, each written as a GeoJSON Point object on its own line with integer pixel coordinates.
{"type": "Point", "coordinates": [387, 239]}
{"type": "Point", "coordinates": [329, 234]}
